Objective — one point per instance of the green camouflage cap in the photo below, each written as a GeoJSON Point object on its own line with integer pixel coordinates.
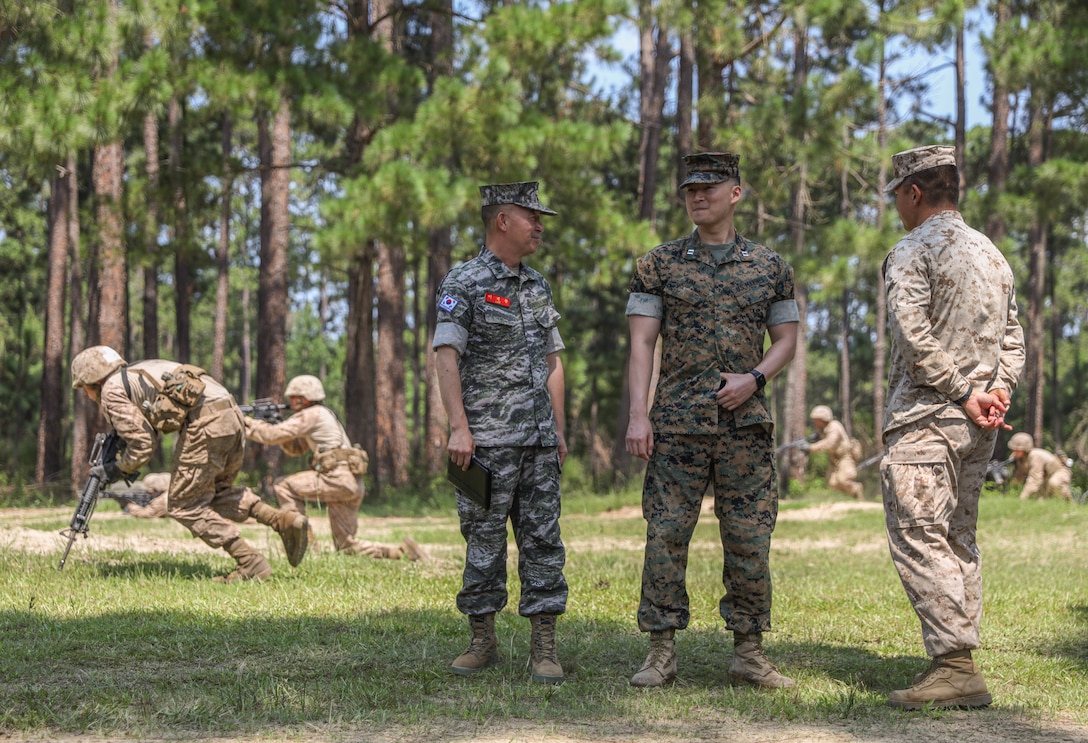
{"type": "Point", "coordinates": [711, 167]}
{"type": "Point", "coordinates": [523, 194]}
{"type": "Point", "coordinates": [909, 162]}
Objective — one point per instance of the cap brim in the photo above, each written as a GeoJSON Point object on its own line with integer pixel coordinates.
{"type": "Point", "coordinates": [894, 184]}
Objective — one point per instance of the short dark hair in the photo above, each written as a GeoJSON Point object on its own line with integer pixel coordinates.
{"type": "Point", "coordinates": [488, 214]}
{"type": "Point", "coordinates": [939, 185]}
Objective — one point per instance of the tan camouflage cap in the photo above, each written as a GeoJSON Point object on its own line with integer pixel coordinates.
{"type": "Point", "coordinates": [523, 194]}
{"type": "Point", "coordinates": [914, 161]}
{"type": "Point", "coordinates": [711, 167]}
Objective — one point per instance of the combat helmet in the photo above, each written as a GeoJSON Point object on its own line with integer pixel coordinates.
{"type": "Point", "coordinates": [94, 364]}
{"type": "Point", "coordinates": [1021, 442]}
{"type": "Point", "coordinates": [306, 385]}
{"type": "Point", "coordinates": [821, 413]}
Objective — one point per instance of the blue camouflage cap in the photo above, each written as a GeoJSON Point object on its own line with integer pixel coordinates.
{"type": "Point", "coordinates": [711, 167]}
{"type": "Point", "coordinates": [522, 194]}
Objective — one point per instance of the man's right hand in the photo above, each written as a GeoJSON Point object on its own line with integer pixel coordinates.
{"type": "Point", "coordinates": [640, 437]}
{"type": "Point", "coordinates": [461, 447]}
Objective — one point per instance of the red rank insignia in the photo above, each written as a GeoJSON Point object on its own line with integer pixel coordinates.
{"type": "Point", "coordinates": [496, 299]}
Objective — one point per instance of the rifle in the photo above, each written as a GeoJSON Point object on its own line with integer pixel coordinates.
{"type": "Point", "coordinates": [794, 444]}
{"type": "Point", "coordinates": [139, 497]}
{"type": "Point", "coordinates": [265, 409]}
{"type": "Point", "coordinates": [997, 471]}
{"type": "Point", "coordinates": [871, 460]}
{"type": "Point", "coordinates": [106, 448]}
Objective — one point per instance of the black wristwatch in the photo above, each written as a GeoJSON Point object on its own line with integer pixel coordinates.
{"type": "Point", "coordinates": [761, 381]}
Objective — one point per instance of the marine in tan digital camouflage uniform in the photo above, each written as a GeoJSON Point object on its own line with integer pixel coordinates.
{"type": "Point", "coordinates": [155, 484]}
{"type": "Point", "coordinates": [337, 468]}
{"type": "Point", "coordinates": [842, 465]}
{"type": "Point", "coordinates": [957, 353]}
{"type": "Point", "coordinates": [1044, 474]}
{"type": "Point", "coordinates": [712, 297]}
{"type": "Point", "coordinates": [207, 458]}
{"type": "Point", "coordinates": [501, 380]}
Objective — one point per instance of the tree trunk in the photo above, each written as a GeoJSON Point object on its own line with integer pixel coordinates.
{"type": "Point", "coordinates": [50, 422]}
{"type": "Point", "coordinates": [360, 400]}
{"type": "Point", "coordinates": [84, 412]}
{"type": "Point", "coordinates": [960, 133]}
{"type": "Point", "coordinates": [272, 300]}
{"type": "Point", "coordinates": [685, 90]}
{"type": "Point", "coordinates": [654, 73]}
{"type": "Point", "coordinates": [881, 329]}
{"type": "Point", "coordinates": [151, 239]}
{"type": "Point", "coordinates": [222, 258]}
{"type": "Point", "coordinates": [1036, 325]}
{"type": "Point", "coordinates": [112, 275]}
{"type": "Point", "coordinates": [183, 279]}
{"type": "Point", "coordinates": [999, 137]}
{"type": "Point", "coordinates": [391, 462]}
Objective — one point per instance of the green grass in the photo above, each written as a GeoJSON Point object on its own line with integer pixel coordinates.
{"type": "Point", "coordinates": [144, 644]}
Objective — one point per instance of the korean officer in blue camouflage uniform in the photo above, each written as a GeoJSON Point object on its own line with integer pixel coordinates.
{"type": "Point", "coordinates": [501, 381]}
{"type": "Point", "coordinates": [711, 297]}
{"type": "Point", "coordinates": [957, 354]}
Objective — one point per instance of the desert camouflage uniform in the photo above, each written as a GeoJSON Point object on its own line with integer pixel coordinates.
{"type": "Point", "coordinates": [317, 429]}
{"type": "Point", "coordinates": [1044, 475]}
{"type": "Point", "coordinates": [714, 316]}
{"type": "Point", "coordinates": [502, 323]}
{"type": "Point", "coordinates": [207, 454]}
{"type": "Point", "coordinates": [842, 468]}
{"type": "Point", "coordinates": [952, 316]}
{"type": "Point", "coordinates": [156, 484]}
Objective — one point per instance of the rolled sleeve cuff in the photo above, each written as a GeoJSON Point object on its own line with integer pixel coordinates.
{"type": "Point", "coordinates": [782, 312]}
{"type": "Point", "coordinates": [450, 334]}
{"type": "Point", "coordinates": [649, 305]}
{"type": "Point", "coordinates": [555, 342]}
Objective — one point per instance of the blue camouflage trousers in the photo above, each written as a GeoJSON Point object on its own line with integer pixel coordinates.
{"type": "Point", "coordinates": [525, 490]}
{"type": "Point", "coordinates": [740, 465]}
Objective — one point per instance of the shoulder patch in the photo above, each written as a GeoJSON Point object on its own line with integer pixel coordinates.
{"type": "Point", "coordinates": [447, 303]}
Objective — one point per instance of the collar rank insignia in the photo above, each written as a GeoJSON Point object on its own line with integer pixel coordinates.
{"type": "Point", "coordinates": [496, 299]}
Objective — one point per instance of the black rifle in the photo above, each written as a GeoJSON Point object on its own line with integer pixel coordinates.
{"type": "Point", "coordinates": [871, 460]}
{"type": "Point", "coordinates": [998, 471]}
{"type": "Point", "coordinates": [265, 409]}
{"type": "Point", "coordinates": [139, 497]}
{"type": "Point", "coordinates": [794, 444]}
{"type": "Point", "coordinates": [106, 448]}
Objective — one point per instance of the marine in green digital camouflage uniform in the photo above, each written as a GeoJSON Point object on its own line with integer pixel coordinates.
{"type": "Point", "coordinates": [712, 297]}
{"type": "Point", "coordinates": [501, 381]}
{"type": "Point", "coordinates": [957, 353]}
{"type": "Point", "coordinates": [208, 456]}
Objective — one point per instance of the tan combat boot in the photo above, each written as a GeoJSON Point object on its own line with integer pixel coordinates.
{"type": "Point", "coordinates": [251, 563]}
{"type": "Point", "coordinates": [542, 653]}
{"type": "Point", "coordinates": [412, 550]}
{"type": "Point", "coordinates": [293, 528]}
{"type": "Point", "coordinates": [750, 665]}
{"type": "Point", "coordinates": [660, 665]}
{"type": "Point", "coordinates": [483, 649]}
{"type": "Point", "coordinates": [952, 680]}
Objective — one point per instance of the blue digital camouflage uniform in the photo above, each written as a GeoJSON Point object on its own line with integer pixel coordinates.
{"type": "Point", "coordinates": [714, 315]}
{"type": "Point", "coordinates": [952, 317]}
{"type": "Point", "coordinates": [502, 322]}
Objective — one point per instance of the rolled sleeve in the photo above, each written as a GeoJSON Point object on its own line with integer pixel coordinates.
{"type": "Point", "coordinates": [782, 312]}
{"type": "Point", "coordinates": [649, 305]}
{"type": "Point", "coordinates": [456, 337]}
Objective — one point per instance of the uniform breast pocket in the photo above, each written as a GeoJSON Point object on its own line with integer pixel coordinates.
{"type": "Point", "coordinates": [499, 323]}
{"type": "Point", "coordinates": [683, 293]}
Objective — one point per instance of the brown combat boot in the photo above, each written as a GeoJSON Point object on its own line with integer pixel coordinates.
{"type": "Point", "coordinates": [542, 652]}
{"type": "Point", "coordinates": [251, 563]}
{"type": "Point", "coordinates": [660, 665]}
{"type": "Point", "coordinates": [483, 649]}
{"type": "Point", "coordinates": [293, 528]}
{"type": "Point", "coordinates": [412, 550]}
{"type": "Point", "coordinates": [750, 665]}
{"type": "Point", "coordinates": [952, 680]}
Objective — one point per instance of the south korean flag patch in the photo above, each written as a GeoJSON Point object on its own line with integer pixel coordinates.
{"type": "Point", "coordinates": [447, 303]}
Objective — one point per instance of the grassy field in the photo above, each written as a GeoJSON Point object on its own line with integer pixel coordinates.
{"type": "Point", "coordinates": [133, 641]}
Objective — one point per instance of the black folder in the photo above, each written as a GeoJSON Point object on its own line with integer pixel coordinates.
{"type": "Point", "coordinates": [475, 482]}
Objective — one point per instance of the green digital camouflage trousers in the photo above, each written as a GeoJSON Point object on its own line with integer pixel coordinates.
{"type": "Point", "coordinates": [740, 466]}
{"type": "Point", "coordinates": [932, 475]}
{"type": "Point", "coordinates": [525, 490]}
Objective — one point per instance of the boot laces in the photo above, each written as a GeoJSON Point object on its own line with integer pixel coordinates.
{"type": "Point", "coordinates": [544, 640]}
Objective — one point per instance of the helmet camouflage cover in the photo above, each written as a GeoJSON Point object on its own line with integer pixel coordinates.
{"type": "Point", "coordinates": [1021, 442]}
{"type": "Point", "coordinates": [821, 413]}
{"type": "Point", "coordinates": [92, 365]}
{"type": "Point", "coordinates": [306, 385]}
